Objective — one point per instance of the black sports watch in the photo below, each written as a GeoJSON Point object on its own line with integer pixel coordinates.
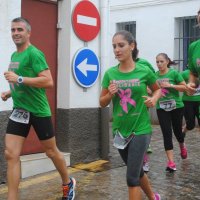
{"type": "Point", "coordinates": [20, 79]}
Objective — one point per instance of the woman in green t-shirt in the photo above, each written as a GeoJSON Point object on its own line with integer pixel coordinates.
{"type": "Point", "coordinates": [191, 105]}
{"type": "Point", "coordinates": [126, 85]}
{"type": "Point", "coordinates": [194, 62]}
{"type": "Point", "coordinates": [170, 107]}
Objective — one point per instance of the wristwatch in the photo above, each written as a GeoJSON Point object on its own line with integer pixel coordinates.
{"type": "Point", "coordinates": [20, 79]}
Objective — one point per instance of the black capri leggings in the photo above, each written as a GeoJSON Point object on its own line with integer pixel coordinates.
{"type": "Point", "coordinates": [171, 120]}
{"type": "Point", "coordinates": [191, 111]}
{"type": "Point", "coordinates": [133, 156]}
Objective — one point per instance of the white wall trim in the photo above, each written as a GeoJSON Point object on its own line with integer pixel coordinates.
{"type": "Point", "coordinates": [144, 4]}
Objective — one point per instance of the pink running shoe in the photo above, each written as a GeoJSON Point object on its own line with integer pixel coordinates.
{"type": "Point", "coordinates": [183, 151]}
{"type": "Point", "coordinates": [171, 166]}
{"type": "Point", "coordinates": [157, 196]}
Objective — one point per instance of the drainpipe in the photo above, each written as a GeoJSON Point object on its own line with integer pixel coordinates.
{"type": "Point", "coordinates": [104, 58]}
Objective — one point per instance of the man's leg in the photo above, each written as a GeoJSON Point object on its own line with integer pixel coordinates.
{"type": "Point", "coordinates": [13, 148]}
{"type": "Point", "coordinates": [44, 129]}
{"type": "Point", "coordinates": [57, 157]}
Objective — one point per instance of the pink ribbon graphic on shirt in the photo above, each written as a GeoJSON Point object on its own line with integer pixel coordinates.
{"type": "Point", "coordinates": [164, 92]}
{"type": "Point", "coordinates": [125, 96]}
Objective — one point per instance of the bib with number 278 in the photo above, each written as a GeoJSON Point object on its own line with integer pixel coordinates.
{"type": "Point", "coordinates": [20, 115]}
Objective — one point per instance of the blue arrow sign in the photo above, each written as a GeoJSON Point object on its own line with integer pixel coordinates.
{"type": "Point", "coordinates": [86, 67]}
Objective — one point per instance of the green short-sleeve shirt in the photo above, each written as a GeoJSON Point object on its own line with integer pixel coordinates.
{"type": "Point", "coordinates": [130, 114]}
{"type": "Point", "coordinates": [194, 58]}
{"type": "Point", "coordinates": [29, 63]}
{"type": "Point", "coordinates": [196, 96]}
{"type": "Point", "coordinates": [170, 94]}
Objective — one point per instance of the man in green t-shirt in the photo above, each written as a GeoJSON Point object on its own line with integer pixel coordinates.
{"type": "Point", "coordinates": [194, 62]}
{"type": "Point", "coordinates": [28, 76]}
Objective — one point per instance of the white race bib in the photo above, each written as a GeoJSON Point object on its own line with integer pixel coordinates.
{"type": "Point", "coordinates": [20, 115]}
{"type": "Point", "coordinates": [120, 142]}
{"type": "Point", "coordinates": [168, 105]}
{"type": "Point", "coordinates": [197, 93]}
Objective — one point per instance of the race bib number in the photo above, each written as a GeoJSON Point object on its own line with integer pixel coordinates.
{"type": "Point", "coordinates": [120, 142]}
{"type": "Point", "coordinates": [20, 115]}
{"type": "Point", "coordinates": [197, 93]}
{"type": "Point", "coordinates": [168, 105]}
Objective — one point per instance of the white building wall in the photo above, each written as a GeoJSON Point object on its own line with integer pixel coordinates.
{"type": "Point", "coordinates": [9, 9]}
{"type": "Point", "coordinates": [155, 23]}
{"type": "Point", "coordinates": [155, 33]}
{"type": "Point", "coordinates": [70, 94]}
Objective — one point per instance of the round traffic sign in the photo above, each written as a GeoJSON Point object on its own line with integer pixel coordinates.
{"type": "Point", "coordinates": [86, 20]}
{"type": "Point", "coordinates": [86, 67]}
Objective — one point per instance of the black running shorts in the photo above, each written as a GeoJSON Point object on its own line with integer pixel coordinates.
{"type": "Point", "coordinates": [42, 125]}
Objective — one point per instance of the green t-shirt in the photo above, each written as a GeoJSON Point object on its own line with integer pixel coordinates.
{"type": "Point", "coordinates": [29, 63]}
{"type": "Point", "coordinates": [170, 96]}
{"type": "Point", "coordinates": [196, 96]}
{"type": "Point", "coordinates": [194, 58]}
{"type": "Point", "coordinates": [142, 61]}
{"type": "Point", "coordinates": [130, 114]}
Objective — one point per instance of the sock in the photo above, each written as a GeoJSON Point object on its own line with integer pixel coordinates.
{"type": "Point", "coordinates": [68, 184]}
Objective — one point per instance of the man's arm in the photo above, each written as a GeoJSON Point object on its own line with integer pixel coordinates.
{"type": "Point", "coordinates": [6, 95]}
{"type": "Point", "coordinates": [43, 80]}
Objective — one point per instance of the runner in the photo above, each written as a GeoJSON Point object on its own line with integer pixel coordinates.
{"type": "Point", "coordinates": [191, 105]}
{"type": "Point", "coordinates": [194, 62]}
{"type": "Point", "coordinates": [28, 76]}
{"type": "Point", "coordinates": [126, 85]}
{"type": "Point", "coordinates": [170, 108]}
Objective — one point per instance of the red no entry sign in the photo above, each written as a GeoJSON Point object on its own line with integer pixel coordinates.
{"type": "Point", "coordinates": [86, 20]}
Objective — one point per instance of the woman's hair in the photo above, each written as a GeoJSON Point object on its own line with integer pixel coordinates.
{"type": "Point", "coordinates": [167, 58]}
{"type": "Point", "coordinates": [130, 39]}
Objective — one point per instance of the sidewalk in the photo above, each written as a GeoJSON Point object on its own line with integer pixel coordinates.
{"type": "Point", "coordinates": [103, 180]}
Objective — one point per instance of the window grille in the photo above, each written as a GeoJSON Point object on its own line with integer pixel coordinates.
{"type": "Point", "coordinates": [128, 26]}
{"type": "Point", "coordinates": [186, 31]}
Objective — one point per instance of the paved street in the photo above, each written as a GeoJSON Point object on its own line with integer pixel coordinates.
{"type": "Point", "coordinates": [106, 179]}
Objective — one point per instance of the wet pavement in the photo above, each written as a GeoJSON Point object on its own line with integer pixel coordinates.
{"type": "Point", "coordinates": [105, 180]}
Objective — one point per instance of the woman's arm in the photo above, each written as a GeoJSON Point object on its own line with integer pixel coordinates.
{"type": "Point", "coordinates": [107, 94]}
{"type": "Point", "coordinates": [105, 98]}
{"type": "Point", "coordinates": [192, 84]}
{"type": "Point", "coordinates": [181, 87]}
{"type": "Point", "coordinates": [151, 101]}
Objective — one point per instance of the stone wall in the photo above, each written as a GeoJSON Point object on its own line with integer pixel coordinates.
{"type": "Point", "coordinates": [3, 125]}
{"type": "Point", "coordinates": [78, 132]}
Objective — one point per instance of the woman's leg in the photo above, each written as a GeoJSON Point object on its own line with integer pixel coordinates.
{"type": "Point", "coordinates": [189, 115]}
{"type": "Point", "coordinates": [177, 116]}
{"type": "Point", "coordinates": [164, 118]}
{"type": "Point", "coordinates": [135, 173]}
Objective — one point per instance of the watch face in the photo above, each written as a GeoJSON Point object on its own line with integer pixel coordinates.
{"type": "Point", "coordinates": [20, 79]}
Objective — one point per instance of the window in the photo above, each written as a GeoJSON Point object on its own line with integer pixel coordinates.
{"type": "Point", "coordinates": [128, 26]}
{"type": "Point", "coordinates": [186, 32]}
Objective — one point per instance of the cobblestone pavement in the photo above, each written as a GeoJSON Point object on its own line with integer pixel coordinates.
{"type": "Point", "coordinates": [106, 179]}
